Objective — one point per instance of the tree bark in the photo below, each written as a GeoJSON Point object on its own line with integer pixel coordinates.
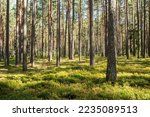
{"type": "Point", "coordinates": [58, 35]}
{"type": "Point", "coordinates": [91, 33]}
{"type": "Point", "coordinates": [7, 36]}
{"type": "Point", "coordinates": [24, 35]}
{"type": "Point", "coordinates": [33, 32]}
{"type": "Point", "coordinates": [111, 74]}
{"type": "Point", "coordinates": [50, 31]}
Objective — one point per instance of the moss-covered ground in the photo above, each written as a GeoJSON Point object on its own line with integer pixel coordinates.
{"type": "Point", "coordinates": [74, 80]}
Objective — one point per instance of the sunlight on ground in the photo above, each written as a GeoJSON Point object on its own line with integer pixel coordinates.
{"type": "Point", "coordinates": [74, 80]}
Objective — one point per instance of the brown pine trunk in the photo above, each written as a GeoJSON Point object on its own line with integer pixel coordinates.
{"type": "Point", "coordinates": [111, 74]}
{"type": "Point", "coordinates": [149, 33]}
{"type": "Point", "coordinates": [73, 36]}
{"type": "Point", "coordinates": [58, 35]}
{"type": "Point", "coordinates": [138, 30]}
{"type": "Point", "coordinates": [79, 33]}
{"type": "Point", "coordinates": [24, 35]}
{"type": "Point", "coordinates": [50, 31]}
{"type": "Point", "coordinates": [69, 34]}
{"type": "Point", "coordinates": [65, 41]}
{"type": "Point", "coordinates": [127, 31]}
{"type": "Point", "coordinates": [7, 36]}
{"type": "Point", "coordinates": [33, 32]}
{"type": "Point", "coordinates": [144, 39]}
{"type": "Point", "coordinates": [91, 33]}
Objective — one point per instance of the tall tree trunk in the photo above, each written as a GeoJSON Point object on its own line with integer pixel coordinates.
{"type": "Point", "coordinates": [69, 36]}
{"type": "Point", "coordinates": [138, 30]}
{"type": "Point", "coordinates": [65, 41]}
{"type": "Point", "coordinates": [7, 36]}
{"type": "Point", "coordinates": [33, 31]}
{"type": "Point", "coordinates": [1, 34]}
{"type": "Point", "coordinates": [149, 33]}
{"type": "Point", "coordinates": [43, 27]}
{"type": "Point", "coordinates": [111, 73]}
{"type": "Point", "coordinates": [133, 28]}
{"type": "Point", "coordinates": [58, 35]}
{"type": "Point", "coordinates": [144, 39]}
{"type": "Point", "coordinates": [24, 35]}
{"type": "Point", "coordinates": [73, 35]}
{"type": "Point", "coordinates": [50, 31]}
{"type": "Point", "coordinates": [17, 32]}
{"type": "Point", "coordinates": [127, 31]}
{"type": "Point", "coordinates": [20, 30]}
{"type": "Point", "coordinates": [79, 32]}
{"type": "Point", "coordinates": [106, 27]}
{"type": "Point", "coordinates": [141, 18]}
{"type": "Point", "coordinates": [91, 33]}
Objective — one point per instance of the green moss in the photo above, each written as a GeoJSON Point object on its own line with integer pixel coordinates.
{"type": "Point", "coordinates": [74, 80]}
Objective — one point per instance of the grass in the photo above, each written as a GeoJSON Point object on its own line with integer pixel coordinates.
{"type": "Point", "coordinates": [73, 80]}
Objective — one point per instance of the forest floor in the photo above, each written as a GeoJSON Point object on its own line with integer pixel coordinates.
{"type": "Point", "coordinates": [74, 80]}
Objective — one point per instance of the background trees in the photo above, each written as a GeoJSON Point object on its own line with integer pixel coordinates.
{"type": "Point", "coordinates": [71, 28]}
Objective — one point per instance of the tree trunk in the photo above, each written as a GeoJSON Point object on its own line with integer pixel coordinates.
{"type": "Point", "coordinates": [106, 27]}
{"type": "Point", "coordinates": [111, 73]}
{"type": "Point", "coordinates": [144, 39]}
{"type": "Point", "coordinates": [65, 41]}
{"type": "Point", "coordinates": [43, 27]}
{"type": "Point", "coordinates": [24, 35]}
{"type": "Point", "coordinates": [149, 33]}
{"type": "Point", "coordinates": [33, 31]}
{"type": "Point", "coordinates": [50, 31]}
{"type": "Point", "coordinates": [91, 33]}
{"type": "Point", "coordinates": [138, 30]}
{"type": "Point", "coordinates": [79, 32]}
{"type": "Point", "coordinates": [58, 35]}
{"type": "Point", "coordinates": [7, 36]}
{"type": "Point", "coordinates": [69, 36]}
{"type": "Point", "coordinates": [127, 31]}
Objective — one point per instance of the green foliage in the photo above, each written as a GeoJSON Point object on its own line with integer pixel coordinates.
{"type": "Point", "coordinates": [76, 81]}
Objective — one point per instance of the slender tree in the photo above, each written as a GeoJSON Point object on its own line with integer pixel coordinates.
{"type": "Point", "coordinates": [106, 27]}
{"type": "Point", "coordinates": [144, 39]}
{"type": "Point", "coordinates": [33, 31]}
{"type": "Point", "coordinates": [17, 31]}
{"type": "Point", "coordinates": [50, 31]}
{"type": "Point", "coordinates": [79, 32]}
{"type": "Point", "coordinates": [58, 35]}
{"type": "Point", "coordinates": [66, 27]}
{"type": "Point", "coordinates": [73, 37]}
{"type": "Point", "coordinates": [69, 34]}
{"type": "Point", "coordinates": [91, 33]}
{"type": "Point", "coordinates": [149, 32]}
{"type": "Point", "coordinates": [24, 35]}
{"type": "Point", "coordinates": [138, 30]}
{"type": "Point", "coordinates": [7, 36]}
{"type": "Point", "coordinates": [127, 31]}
